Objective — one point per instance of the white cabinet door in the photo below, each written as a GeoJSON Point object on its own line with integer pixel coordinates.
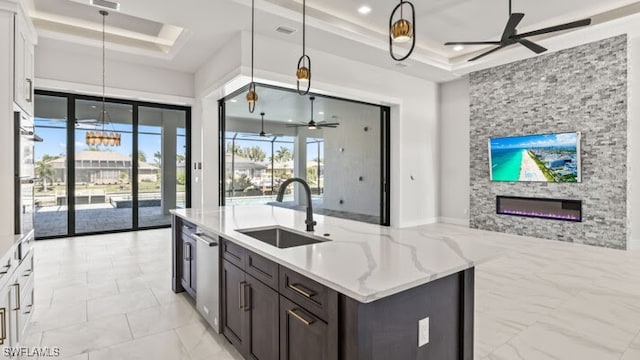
{"type": "Point", "coordinates": [23, 67]}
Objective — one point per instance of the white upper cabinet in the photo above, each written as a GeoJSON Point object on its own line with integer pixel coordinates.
{"type": "Point", "coordinates": [23, 66]}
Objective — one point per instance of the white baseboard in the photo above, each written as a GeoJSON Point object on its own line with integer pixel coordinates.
{"type": "Point", "coordinates": [454, 221]}
{"type": "Point", "coordinates": [406, 224]}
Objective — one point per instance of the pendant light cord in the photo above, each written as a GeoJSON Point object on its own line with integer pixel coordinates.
{"type": "Point", "coordinates": [510, 12]}
{"type": "Point", "coordinates": [104, 16]}
{"type": "Point", "coordinates": [304, 26]}
{"type": "Point", "coordinates": [253, 9]}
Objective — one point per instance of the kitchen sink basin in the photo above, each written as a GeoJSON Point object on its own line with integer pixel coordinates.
{"type": "Point", "coordinates": [280, 237]}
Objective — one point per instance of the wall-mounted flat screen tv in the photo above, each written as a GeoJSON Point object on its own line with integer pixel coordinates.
{"type": "Point", "coordinates": [545, 158]}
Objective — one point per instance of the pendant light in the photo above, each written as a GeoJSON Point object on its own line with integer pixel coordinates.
{"type": "Point", "coordinates": [252, 96]}
{"type": "Point", "coordinates": [105, 138]}
{"type": "Point", "coordinates": [303, 73]}
{"type": "Point", "coordinates": [402, 30]}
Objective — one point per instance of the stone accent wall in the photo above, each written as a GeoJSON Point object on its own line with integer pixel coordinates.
{"type": "Point", "coordinates": [579, 89]}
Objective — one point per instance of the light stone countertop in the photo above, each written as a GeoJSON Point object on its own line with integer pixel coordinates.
{"type": "Point", "coordinates": [363, 261]}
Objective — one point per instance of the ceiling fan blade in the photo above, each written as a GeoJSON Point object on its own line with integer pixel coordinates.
{"type": "Point", "coordinates": [488, 52]}
{"type": "Point", "coordinates": [567, 26]}
{"type": "Point", "coordinates": [510, 29]}
{"type": "Point", "coordinates": [532, 46]}
{"type": "Point", "coordinates": [473, 43]}
{"type": "Point", "coordinates": [328, 124]}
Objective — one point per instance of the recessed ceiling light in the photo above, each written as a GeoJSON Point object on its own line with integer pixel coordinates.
{"type": "Point", "coordinates": [458, 48]}
{"type": "Point", "coordinates": [289, 120]}
{"type": "Point", "coordinates": [320, 112]}
{"type": "Point", "coordinates": [364, 9]}
{"type": "Point", "coordinates": [233, 100]}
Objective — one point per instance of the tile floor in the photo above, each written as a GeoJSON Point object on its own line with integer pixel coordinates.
{"type": "Point", "coordinates": [108, 297]}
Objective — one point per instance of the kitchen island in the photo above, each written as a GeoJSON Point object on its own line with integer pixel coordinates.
{"type": "Point", "coordinates": [361, 292]}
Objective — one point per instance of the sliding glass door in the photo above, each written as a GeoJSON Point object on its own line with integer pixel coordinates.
{"type": "Point", "coordinates": [122, 187]}
{"type": "Point", "coordinates": [103, 172]}
{"type": "Point", "coordinates": [50, 190]}
{"type": "Point", "coordinates": [162, 151]}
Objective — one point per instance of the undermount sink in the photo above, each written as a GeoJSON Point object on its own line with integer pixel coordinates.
{"type": "Point", "coordinates": [280, 237]}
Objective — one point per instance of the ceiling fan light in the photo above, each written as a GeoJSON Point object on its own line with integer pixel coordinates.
{"type": "Point", "coordinates": [312, 127]}
{"type": "Point", "coordinates": [401, 31]}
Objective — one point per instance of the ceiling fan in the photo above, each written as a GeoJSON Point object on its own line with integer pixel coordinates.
{"type": "Point", "coordinates": [262, 133]}
{"type": "Point", "coordinates": [510, 35]}
{"type": "Point", "coordinates": [312, 125]}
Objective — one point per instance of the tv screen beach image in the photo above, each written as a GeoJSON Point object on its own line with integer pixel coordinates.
{"type": "Point", "coordinates": [547, 158]}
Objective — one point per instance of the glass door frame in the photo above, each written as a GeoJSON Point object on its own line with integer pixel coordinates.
{"type": "Point", "coordinates": [385, 146]}
{"type": "Point", "coordinates": [70, 149]}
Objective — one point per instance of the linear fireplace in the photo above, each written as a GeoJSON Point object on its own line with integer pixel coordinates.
{"type": "Point", "coordinates": [555, 209]}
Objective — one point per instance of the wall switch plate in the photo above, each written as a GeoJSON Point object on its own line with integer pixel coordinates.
{"type": "Point", "coordinates": [206, 310]}
{"type": "Point", "coordinates": [423, 332]}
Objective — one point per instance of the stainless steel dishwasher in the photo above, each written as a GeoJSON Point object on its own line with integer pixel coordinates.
{"type": "Point", "coordinates": [208, 279]}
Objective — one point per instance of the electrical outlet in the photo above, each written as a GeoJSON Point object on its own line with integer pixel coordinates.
{"type": "Point", "coordinates": [423, 332]}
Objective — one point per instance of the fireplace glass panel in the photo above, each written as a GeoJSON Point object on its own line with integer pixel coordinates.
{"type": "Point", "coordinates": [557, 209]}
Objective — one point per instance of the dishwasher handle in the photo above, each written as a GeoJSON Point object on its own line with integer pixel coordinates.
{"type": "Point", "coordinates": [208, 241]}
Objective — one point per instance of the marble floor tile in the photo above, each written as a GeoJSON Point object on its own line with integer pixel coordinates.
{"type": "Point", "coordinates": [542, 300]}
{"type": "Point", "coordinates": [84, 292]}
{"type": "Point", "coordinates": [89, 336]}
{"type": "Point", "coordinates": [545, 342]}
{"type": "Point", "coordinates": [162, 346]}
{"type": "Point", "coordinates": [161, 318]}
{"type": "Point", "coordinates": [203, 343]}
{"type": "Point", "coordinates": [120, 303]}
{"type": "Point", "coordinates": [58, 315]}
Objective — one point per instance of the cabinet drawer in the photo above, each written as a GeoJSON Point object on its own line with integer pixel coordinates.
{"type": "Point", "coordinates": [24, 273]}
{"type": "Point", "coordinates": [262, 269]}
{"type": "Point", "coordinates": [303, 335]}
{"type": "Point", "coordinates": [233, 253]}
{"type": "Point", "coordinates": [312, 296]}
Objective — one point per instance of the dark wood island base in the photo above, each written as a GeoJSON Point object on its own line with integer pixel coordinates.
{"type": "Point", "coordinates": [270, 312]}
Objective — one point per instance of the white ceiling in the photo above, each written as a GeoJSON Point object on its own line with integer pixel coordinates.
{"type": "Point", "coordinates": [334, 26]}
{"type": "Point", "coordinates": [282, 106]}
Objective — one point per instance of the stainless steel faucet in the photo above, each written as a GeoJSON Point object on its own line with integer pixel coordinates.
{"type": "Point", "coordinates": [310, 223]}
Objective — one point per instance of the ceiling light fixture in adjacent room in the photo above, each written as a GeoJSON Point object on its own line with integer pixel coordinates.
{"type": "Point", "coordinates": [262, 133]}
{"type": "Point", "coordinates": [303, 73]}
{"type": "Point", "coordinates": [458, 48]}
{"type": "Point", "coordinates": [312, 125]}
{"type": "Point", "coordinates": [402, 30]}
{"type": "Point", "coordinates": [105, 138]}
{"type": "Point", "coordinates": [252, 95]}
{"type": "Point", "coordinates": [364, 9]}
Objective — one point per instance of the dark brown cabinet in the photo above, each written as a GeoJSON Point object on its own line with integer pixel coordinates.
{"type": "Point", "coordinates": [234, 321]}
{"type": "Point", "coordinates": [188, 279]}
{"type": "Point", "coordinates": [303, 335]}
{"type": "Point", "coordinates": [249, 314]}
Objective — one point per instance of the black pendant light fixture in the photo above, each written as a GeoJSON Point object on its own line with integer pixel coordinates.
{"type": "Point", "coordinates": [252, 95]}
{"type": "Point", "coordinates": [303, 73]}
{"type": "Point", "coordinates": [402, 30]}
{"type": "Point", "coordinates": [262, 133]}
{"type": "Point", "coordinates": [105, 138]}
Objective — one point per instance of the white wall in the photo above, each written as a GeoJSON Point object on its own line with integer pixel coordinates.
{"type": "Point", "coordinates": [454, 152]}
{"type": "Point", "coordinates": [212, 81]}
{"type": "Point", "coordinates": [67, 71]}
{"type": "Point", "coordinates": [360, 158]}
{"type": "Point", "coordinates": [414, 129]}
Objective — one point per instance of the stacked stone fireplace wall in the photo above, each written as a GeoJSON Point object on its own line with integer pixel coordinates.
{"type": "Point", "coordinates": [580, 89]}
